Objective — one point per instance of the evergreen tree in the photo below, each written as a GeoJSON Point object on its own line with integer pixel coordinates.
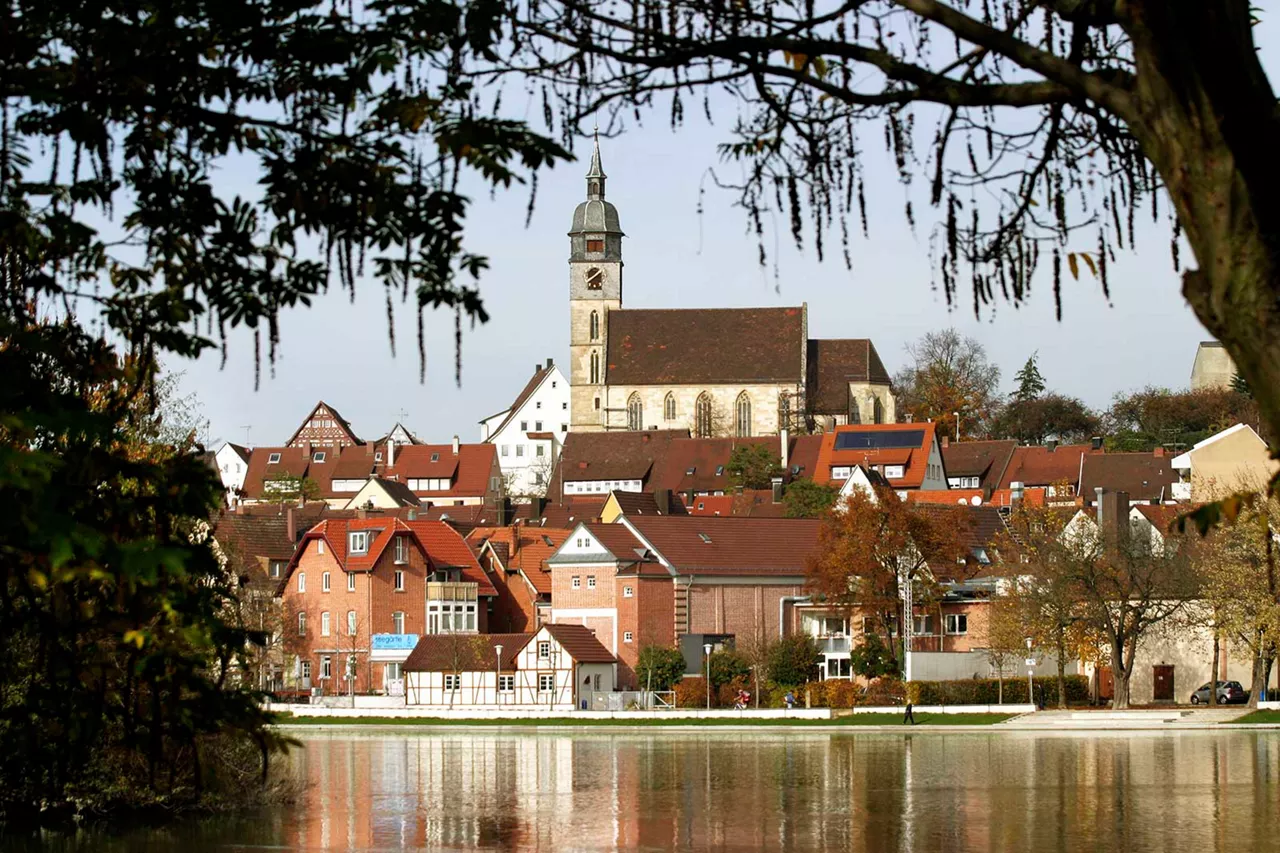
{"type": "Point", "coordinates": [1030, 382]}
{"type": "Point", "coordinates": [1241, 386]}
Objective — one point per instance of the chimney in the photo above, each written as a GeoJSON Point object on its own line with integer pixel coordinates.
{"type": "Point", "coordinates": [291, 526]}
{"type": "Point", "coordinates": [455, 445]}
{"type": "Point", "coordinates": [537, 367]}
{"type": "Point", "coordinates": [1096, 443]}
{"type": "Point", "coordinates": [785, 455]}
{"type": "Point", "coordinates": [362, 512]}
{"type": "Point", "coordinates": [391, 452]}
{"type": "Point", "coordinates": [910, 418]}
{"type": "Point", "coordinates": [777, 490]}
{"type": "Point", "coordinates": [946, 441]}
{"type": "Point", "coordinates": [1051, 444]}
{"type": "Point", "coordinates": [1113, 514]}
{"type": "Point", "coordinates": [1015, 493]}
{"type": "Point", "coordinates": [662, 498]}
{"type": "Point", "coordinates": [551, 363]}
{"type": "Point", "coordinates": [1158, 452]}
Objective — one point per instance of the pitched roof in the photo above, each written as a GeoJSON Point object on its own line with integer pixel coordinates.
{"type": "Point", "coordinates": [869, 445]}
{"type": "Point", "coordinates": [580, 642]}
{"type": "Point", "coordinates": [469, 468]}
{"type": "Point", "coordinates": [573, 511]}
{"type": "Point", "coordinates": [705, 345]}
{"type": "Point", "coordinates": [265, 536]}
{"type": "Point", "coordinates": [753, 503]}
{"type": "Point", "coordinates": [238, 450]}
{"type": "Point", "coordinates": [984, 459]}
{"type": "Point", "coordinates": [731, 545]}
{"type": "Point", "coordinates": [397, 491]}
{"type": "Point", "coordinates": [526, 392]}
{"type": "Point", "coordinates": [979, 527]}
{"type": "Point", "coordinates": [465, 652]}
{"type": "Point", "coordinates": [1145, 476]}
{"type": "Point", "coordinates": [342, 423]}
{"type": "Point", "coordinates": [293, 461]}
{"type": "Point", "coordinates": [618, 539]}
{"type": "Point", "coordinates": [524, 549]}
{"type": "Point", "coordinates": [832, 365]}
{"type": "Point", "coordinates": [644, 503]}
{"type": "Point", "coordinates": [1043, 466]}
{"type": "Point", "coordinates": [610, 456]}
{"type": "Point", "coordinates": [1162, 516]}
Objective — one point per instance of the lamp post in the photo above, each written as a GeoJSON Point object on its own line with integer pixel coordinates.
{"type": "Point", "coordinates": [957, 417]}
{"type": "Point", "coordinates": [1031, 685]}
{"type": "Point", "coordinates": [706, 653]}
{"type": "Point", "coordinates": [497, 686]}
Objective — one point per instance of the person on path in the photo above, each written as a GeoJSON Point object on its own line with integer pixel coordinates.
{"type": "Point", "coordinates": [909, 718]}
{"type": "Point", "coordinates": [789, 700]}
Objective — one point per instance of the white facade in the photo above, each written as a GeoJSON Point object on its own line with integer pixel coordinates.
{"type": "Point", "coordinates": [233, 465]}
{"type": "Point", "coordinates": [527, 461]}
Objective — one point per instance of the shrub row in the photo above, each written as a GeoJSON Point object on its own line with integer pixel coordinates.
{"type": "Point", "coordinates": [986, 691]}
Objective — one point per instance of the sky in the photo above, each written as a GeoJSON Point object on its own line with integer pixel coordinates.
{"type": "Point", "coordinates": [338, 351]}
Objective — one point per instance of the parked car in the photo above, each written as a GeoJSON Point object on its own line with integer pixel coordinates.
{"type": "Point", "coordinates": [1229, 693]}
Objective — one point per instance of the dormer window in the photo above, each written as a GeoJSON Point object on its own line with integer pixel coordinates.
{"type": "Point", "coordinates": [273, 458]}
{"type": "Point", "coordinates": [595, 276]}
{"type": "Point", "coordinates": [318, 456]}
{"type": "Point", "coordinates": [358, 542]}
{"type": "Point", "coordinates": [377, 457]}
{"type": "Point", "coordinates": [435, 457]}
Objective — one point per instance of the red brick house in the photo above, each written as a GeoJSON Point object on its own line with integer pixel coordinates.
{"type": "Point", "coordinates": [354, 581]}
{"type": "Point", "coordinates": [515, 560]}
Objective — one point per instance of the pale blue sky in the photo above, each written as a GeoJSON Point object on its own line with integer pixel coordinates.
{"type": "Point", "coordinates": [338, 352]}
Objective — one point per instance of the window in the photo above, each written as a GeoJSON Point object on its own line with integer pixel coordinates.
{"type": "Point", "coordinates": [524, 426]}
{"type": "Point", "coordinates": [544, 650]}
{"type": "Point", "coordinates": [669, 407]}
{"type": "Point", "coordinates": [540, 450]}
{"type": "Point", "coordinates": [326, 667]}
{"type": "Point", "coordinates": [922, 625]}
{"type": "Point", "coordinates": [627, 592]}
{"type": "Point", "coordinates": [435, 457]}
{"type": "Point", "coordinates": [957, 623]}
{"type": "Point", "coordinates": [273, 458]}
{"type": "Point", "coordinates": [402, 549]}
{"type": "Point", "coordinates": [546, 682]}
{"type": "Point", "coordinates": [702, 416]}
{"type": "Point", "coordinates": [595, 326]}
{"type": "Point", "coordinates": [519, 450]}
{"type": "Point", "coordinates": [302, 581]}
{"type": "Point", "coordinates": [595, 373]}
{"type": "Point", "coordinates": [351, 623]}
{"type": "Point", "coordinates": [877, 411]}
{"type": "Point", "coordinates": [391, 672]}
{"type": "Point", "coordinates": [318, 456]}
{"type": "Point", "coordinates": [538, 405]}
{"type": "Point", "coordinates": [564, 427]}
{"type": "Point", "coordinates": [351, 582]}
{"type": "Point", "coordinates": [399, 580]}
{"type": "Point", "coordinates": [320, 546]}
{"type": "Point", "coordinates": [445, 617]}
{"type": "Point", "coordinates": [742, 415]}
{"type": "Point", "coordinates": [832, 627]}
{"type": "Point", "coordinates": [358, 542]}
{"type": "Point", "coordinates": [537, 426]}
{"type": "Point", "coordinates": [893, 472]}
{"type": "Point", "coordinates": [452, 682]}
{"type": "Point", "coordinates": [377, 457]}
{"type": "Point", "coordinates": [635, 413]}
{"type": "Point", "coordinates": [626, 636]}
{"type": "Point", "coordinates": [302, 624]}
{"type": "Point", "coordinates": [591, 581]}
{"type": "Point", "coordinates": [506, 450]}
{"type": "Point", "coordinates": [597, 402]}
{"type": "Point", "coordinates": [506, 683]}
{"type": "Point", "coordinates": [276, 568]}
{"type": "Point", "coordinates": [324, 582]}
{"type": "Point", "coordinates": [397, 622]}
{"type": "Point", "coordinates": [577, 582]}
{"type": "Point", "coordinates": [324, 624]}
{"type": "Point", "coordinates": [595, 246]}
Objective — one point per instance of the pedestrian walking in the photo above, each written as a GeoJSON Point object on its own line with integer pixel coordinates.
{"type": "Point", "coordinates": [909, 718]}
{"type": "Point", "coordinates": [789, 700]}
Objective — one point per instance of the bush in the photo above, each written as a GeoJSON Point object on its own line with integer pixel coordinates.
{"type": "Point", "coordinates": [840, 693]}
{"type": "Point", "coordinates": [691, 692]}
{"type": "Point", "coordinates": [794, 660]}
{"type": "Point", "coordinates": [727, 665]}
{"type": "Point", "coordinates": [727, 694]}
{"type": "Point", "coordinates": [884, 691]}
{"type": "Point", "coordinates": [871, 659]}
{"type": "Point", "coordinates": [985, 691]}
{"type": "Point", "coordinates": [659, 668]}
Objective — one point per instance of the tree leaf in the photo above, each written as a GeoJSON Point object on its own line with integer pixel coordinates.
{"type": "Point", "coordinates": [1074, 264]}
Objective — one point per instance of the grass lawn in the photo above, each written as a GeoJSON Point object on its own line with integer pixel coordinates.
{"type": "Point", "coordinates": [1260, 717]}
{"type": "Point", "coordinates": [850, 720]}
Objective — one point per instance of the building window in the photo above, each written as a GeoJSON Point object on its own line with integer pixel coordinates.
{"type": "Point", "coordinates": [302, 624]}
{"type": "Point", "coordinates": [597, 402]}
{"type": "Point", "coordinates": [506, 450]}
{"type": "Point", "coordinates": [318, 456]}
{"type": "Point", "coordinates": [326, 667]}
{"type": "Point", "coordinates": [537, 426]}
{"type": "Point", "coordinates": [320, 547]}
{"type": "Point", "coordinates": [399, 581]}
{"type": "Point", "coordinates": [595, 325]}
{"type": "Point", "coordinates": [391, 672]}
{"type": "Point", "coordinates": [626, 636]}
{"type": "Point", "coordinates": [358, 542]}
{"type": "Point", "coordinates": [276, 568]}
{"type": "Point", "coordinates": [702, 416]}
{"type": "Point", "coordinates": [402, 549]}
{"type": "Point", "coordinates": [305, 670]}
{"type": "Point", "coordinates": [538, 404]}
{"type": "Point", "coordinates": [591, 581]}
{"type": "Point", "coordinates": [397, 622]}
{"type": "Point", "coordinates": [445, 617]}
{"type": "Point", "coordinates": [273, 458]}
{"type": "Point", "coordinates": [564, 427]}
{"type": "Point", "coordinates": [742, 415]}
{"type": "Point", "coordinates": [577, 582]}
{"type": "Point", "coordinates": [351, 623]}
{"type": "Point", "coordinates": [594, 245]}
{"type": "Point", "coordinates": [324, 582]}
{"type": "Point", "coordinates": [546, 682]}
{"type": "Point", "coordinates": [922, 625]}
{"type": "Point", "coordinates": [627, 592]}
{"type": "Point", "coordinates": [877, 411]}
{"type": "Point", "coordinates": [351, 582]}
{"type": "Point", "coordinates": [595, 372]}
{"type": "Point", "coordinates": [544, 650]}
{"type": "Point", "coordinates": [894, 472]}
{"type": "Point", "coordinates": [669, 407]}
{"type": "Point", "coordinates": [635, 413]}
{"type": "Point", "coordinates": [519, 450]}
{"type": "Point", "coordinates": [324, 624]}
{"type": "Point", "coordinates": [957, 623]}
{"type": "Point", "coordinates": [452, 682]}
{"type": "Point", "coordinates": [524, 426]}
{"type": "Point", "coordinates": [506, 684]}
{"type": "Point", "coordinates": [302, 581]}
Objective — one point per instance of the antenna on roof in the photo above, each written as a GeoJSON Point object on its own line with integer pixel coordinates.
{"type": "Point", "coordinates": [246, 428]}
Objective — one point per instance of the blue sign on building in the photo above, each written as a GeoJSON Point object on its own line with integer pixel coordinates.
{"type": "Point", "coordinates": [391, 642]}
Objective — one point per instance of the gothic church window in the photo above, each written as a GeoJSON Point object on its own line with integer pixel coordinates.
{"type": "Point", "coordinates": [595, 325]}
{"type": "Point", "coordinates": [877, 411]}
{"type": "Point", "coordinates": [635, 413]}
{"type": "Point", "coordinates": [855, 413]}
{"type": "Point", "coordinates": [595, 368]}
{"type": "Point", "coordinates": [742, 415]}
{"type": "Point", "coordinates": [702, 416]}
{"type": "Point", "coordinates": [595, 278]}
{"type": "Point", "coordinates": [669, 407]}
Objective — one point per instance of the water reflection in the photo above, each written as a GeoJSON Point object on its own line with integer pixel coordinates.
{"type": "Point", "coordinates": [794, 791]}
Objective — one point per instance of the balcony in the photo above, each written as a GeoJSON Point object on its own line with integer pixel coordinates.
{"type": "Point", "coordinates": [1181, 491]}
{"type": "Point", "coordinates": [833, 645]}
{"type": "Point", "coordinates": [451, 591]}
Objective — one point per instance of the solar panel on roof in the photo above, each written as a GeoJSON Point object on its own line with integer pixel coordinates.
{"type": "Point", "coordinates": [881, 439]}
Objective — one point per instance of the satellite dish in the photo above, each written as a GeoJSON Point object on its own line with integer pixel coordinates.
{"type": "Point", "coordinates": [976, 500]}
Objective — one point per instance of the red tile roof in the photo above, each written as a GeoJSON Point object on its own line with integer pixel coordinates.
{"type": "Point", "coordinates": [293, 461]}
{"type": "Point", "coordinates": [580, 642]}
{"type": "Point", "coordinates": [914, 459]}
{"type": "Point", "coordinates": [573, 511]}
{"type": "Point", "coordinates": [525, 548]}
{"type": "Point", "coordinates": [705, 345]}
{"type": "Point", "coordinates": [1145, 476]}
{"type": "Point", "coordinates": [470, 468]}
{"type": "Point", "coordinates": [1040, 466]}
{"type": "Point", "coordinates": [620, 541]}
{"type": "Point", "coordinates": [466, 652]}
{"type": "Point", "coordinates": [832, 365]}
{"type": "Point", "coordinates": [984, 459]}
{"type": "Point", "coordinates": [751, 546]}
{"type": "Point", "coordinates": [946, 496]}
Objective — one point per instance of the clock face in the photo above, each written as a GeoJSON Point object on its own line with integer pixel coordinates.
{"type": "Point", "coordinates": [595, 278]}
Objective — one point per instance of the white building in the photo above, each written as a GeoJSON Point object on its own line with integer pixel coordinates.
{"type": "Point", "coordinates": [559, 668]}
{"type": "Point", "coordinates": [530, 434]}
{"type": "Point", "coordinates": [233, 464]}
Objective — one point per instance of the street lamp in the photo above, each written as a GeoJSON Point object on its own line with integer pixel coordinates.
{"type": "Point", "coordinates": [957, 417]}
{"type": "Point", "coordinates": [497, 687]}
{"type": "Point", "coordinates": [1031, 662]}
{"type": "Point", "coordinates": [706, 653]}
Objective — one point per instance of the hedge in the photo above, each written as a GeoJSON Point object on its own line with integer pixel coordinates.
{"type": "Point", "coordinates": [986, 691]}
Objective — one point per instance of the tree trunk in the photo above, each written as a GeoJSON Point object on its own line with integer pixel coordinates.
{"type": "Point", "coordinates": [1213, 677]}
{"type": "Point", "coordinates": [1120, 677]}
{"type": "Point", "coordinates": [1206, 116]}
{"type": "Point", "coordinates": [1062, 672]}
{"type": "Point", "coordinates": [1257, 681]}
{"type": "Point", "coordinates": [1000, 685]}
{"type": "Point", "coordinates": [1267, 663]}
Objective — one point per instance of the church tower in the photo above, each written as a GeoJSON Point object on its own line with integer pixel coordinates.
{"type": "Point", "coordinates": [595, 289]}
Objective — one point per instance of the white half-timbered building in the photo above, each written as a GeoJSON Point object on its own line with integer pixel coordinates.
{"type": "Point", "coordinates": [559, 668]}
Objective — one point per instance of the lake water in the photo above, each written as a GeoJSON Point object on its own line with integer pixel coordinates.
{"type": "Point", "coordinates": [1127, 791]}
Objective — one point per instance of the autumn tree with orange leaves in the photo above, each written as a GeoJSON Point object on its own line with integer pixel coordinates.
{"type": "Point", "coordinates": [870, 544]}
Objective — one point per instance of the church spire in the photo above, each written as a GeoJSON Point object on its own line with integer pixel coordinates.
{"type": "Point", "coordinates": [595, 173]}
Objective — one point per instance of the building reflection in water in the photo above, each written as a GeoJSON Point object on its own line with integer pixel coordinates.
{"type": "Point", "coordinates": [792, 791]}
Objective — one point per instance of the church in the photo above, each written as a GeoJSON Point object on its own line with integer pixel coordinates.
{"type": "Point", "coordinates": [714, 371]}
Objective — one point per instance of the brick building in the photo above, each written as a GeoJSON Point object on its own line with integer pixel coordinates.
{"type": "Point", "coordinates": [353, 580]}
{"type": "Point", "coordinates": [515, 560]}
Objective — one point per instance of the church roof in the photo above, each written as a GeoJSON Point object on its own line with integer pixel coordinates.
{"type": "Point", "coordinates": [705, 346]}
{"type": "Point", "coordinates": [833, 364]}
